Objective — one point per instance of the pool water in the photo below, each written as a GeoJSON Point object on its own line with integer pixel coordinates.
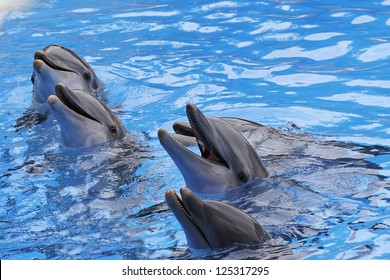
{"type": "Point", "coordinates": [316, 69]}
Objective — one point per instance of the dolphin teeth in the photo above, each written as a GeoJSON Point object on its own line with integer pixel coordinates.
{"type": "Point", "coordinates": [206, 145]}
{"type": "Point", "coordinates": [184, 210]}
{"type": "Point", "coordinates": [195, 129]}
{"type": "Point", "coordinates": [178, 142]}
{"type": "Point", "coordinates": [181, 129]}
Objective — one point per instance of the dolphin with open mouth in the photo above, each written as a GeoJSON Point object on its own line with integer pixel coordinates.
{"type": "Point", "coordinates": [56, 64]}
{"type": "Point", "coordinates": [211, 224]}
{"type": "Point", "coordinates": [227, 159]}
{"type": "Point", "coordinates": [83, 119]}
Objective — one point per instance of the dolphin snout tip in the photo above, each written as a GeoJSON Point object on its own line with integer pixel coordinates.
{"type": "Point", "coordinates": [184, 190]}
{"type": "Point", "coordinates": [191, 106]}
{"type": "Point", "coordinates": [37, 64]}
{"type": "Point", "coordinates": [38, 54]}
{"type": "Point", "coordinates": [52, 99]}
{"type": "Point", "coordinates": [162, 133]}
{"type": "Point", "coordinates": [59, 86]}
{"type": "Point", "coordinates": [169, 193]}
{"type": "Point", "coordinates": [187, 194]}
{"type": "Point", "coordinates": [170, 198]}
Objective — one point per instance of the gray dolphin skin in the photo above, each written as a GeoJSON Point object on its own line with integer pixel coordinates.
{"type": "Point", "coordinates": [211, 224]}
{"type": "Point", "coordinates": [227, 159]}
{"type": "Point", "coordinates": [83, 119]}
{"type": "Point", "coordinates": [56, 64]}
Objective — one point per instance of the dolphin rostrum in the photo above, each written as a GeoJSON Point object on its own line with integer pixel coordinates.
{"type": "Point", "coordinates": [83, 119]}
{"type": "Point", "coordinates": [227, 159]}
{"type": "Point", "coordinates": [211, 224]}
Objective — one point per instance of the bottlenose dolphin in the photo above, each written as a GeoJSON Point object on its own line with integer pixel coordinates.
{"type": "Point", "coordinates": [227, 159]}
{"type": "Point", "coordinates": [211, 224]}
{"type": "Point", "coordinates": [84, 120]}
{"type": "Point", "coordinates": [56, 64]}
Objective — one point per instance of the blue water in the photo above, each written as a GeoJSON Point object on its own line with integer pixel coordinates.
{"type": "Point", "coordinates": [322, 66]}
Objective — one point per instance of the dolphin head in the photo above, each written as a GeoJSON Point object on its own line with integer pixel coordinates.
{"type": "Point", "coordinates": [56, 64]}
{"type": "Point", "coordinates": [84, 120]}
{"type": "Point", "coordinates": [211, 224]}
{"type": "Point", "coordinates": [227, 159]}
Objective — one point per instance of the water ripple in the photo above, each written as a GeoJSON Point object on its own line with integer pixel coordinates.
{"type": "Point", "coordinates": [377, 52]}
{"type": "Point", "coordinates": [302, 79]}
{"type": "Point", "coordinates": [146, 14]}
{"type": "Point", "coordinates": [340, 49]}
{"type": "Point", "coordinates": [271, 26]}
{"type": "Point", "coordinates": [363, 19]}
{"type": "Point", "coordinates": [361, 98]}
{"type": "Point", "coordinates": [322, 36]}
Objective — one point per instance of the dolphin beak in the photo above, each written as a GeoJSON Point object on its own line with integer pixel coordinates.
{"type": "Point", "coordinates": [195, 236]}
{"type": "Point", "coordinates": [50, 62]}
{"type": "Point", "coordinates": [68, 98]}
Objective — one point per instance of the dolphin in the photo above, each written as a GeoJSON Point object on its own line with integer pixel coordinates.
{"type": "Point", "coordinates": [227, 159]}
{"type": "Point", "coordinates": [211, 224]}
{"type": "Point", "coordinates": [84, 120]}
{"type": "Point", "coordinates": [57, 64]}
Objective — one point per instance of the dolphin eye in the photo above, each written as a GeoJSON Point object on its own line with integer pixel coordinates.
{"type": "Point", "coordinates": [242, 177]}
{"type": "Point", "coordinates": [113, 129]}
{"type": "Point", "coordinates": [87, 76]}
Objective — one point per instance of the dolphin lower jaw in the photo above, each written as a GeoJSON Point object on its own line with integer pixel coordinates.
{"type": "Point", "coordinates": [201, 175]}
{"type": "Point", "coordinates": [41, 92]}
{"type": "Point", "coordinates": [77, 133]}
{"type": "Point", "coordinates": [204, 182]}
{"type": "Point", "coordinates": [42, 87]}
